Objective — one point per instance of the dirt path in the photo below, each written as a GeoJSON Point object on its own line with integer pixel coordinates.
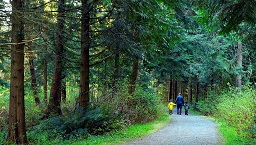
{"type": "Point", "coordinates": [183, 130]}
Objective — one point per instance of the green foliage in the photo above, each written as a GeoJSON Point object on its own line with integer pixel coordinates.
{"type": "Point", "coordinates": [230, 135]}
{"type": "Point", "coordinates": [208, 105]}
{"type": "Point", "coordinates": [142, 106]}
{"type": "Point", "coordinates": [4, 106]}
{"type": "Point", "coordinates": [227, 15]}
{"type": "Point", "coordinates": [252, 130]}
{"type": "Point", "coordinates": [145, 105]}
{"type": "Point", "coordinates": [4, 99]}
{"type": "Point", "coordinates": [236, 108]}
{"type": "Point", "coordinates": [74, 125]}
{"type": "Point", "coordinates": [131, 132]}
{"type": "Point", "coordinates": [4, 83]}
{"type": "Point", "coordinates": [2, 136]}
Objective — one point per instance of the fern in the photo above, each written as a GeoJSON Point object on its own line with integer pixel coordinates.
{"type": "Point", "coordinates": [76, 124]}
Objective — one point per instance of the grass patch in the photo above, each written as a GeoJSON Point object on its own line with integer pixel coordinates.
{"type": "Point", "coordinates": [230, 135]}
{"type": "Point", "coordinates": [128, 134]}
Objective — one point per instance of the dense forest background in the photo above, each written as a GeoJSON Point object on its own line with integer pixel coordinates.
{"type": "Point", "coordinates": [73, 69]}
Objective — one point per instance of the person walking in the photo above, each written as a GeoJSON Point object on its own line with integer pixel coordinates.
{"type": "Point", "coordinates": [170, 106]}
{"type": "Point", "coordinates": [186, 107]}
{"type": "Point", "coordinates": [180, 103]}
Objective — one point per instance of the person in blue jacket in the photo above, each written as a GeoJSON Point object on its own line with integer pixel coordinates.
{"type": "Point", "coordinates": [179, 103]}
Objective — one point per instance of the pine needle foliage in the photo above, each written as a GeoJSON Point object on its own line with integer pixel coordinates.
{"type": "Point", "coordinates": [228, 14]}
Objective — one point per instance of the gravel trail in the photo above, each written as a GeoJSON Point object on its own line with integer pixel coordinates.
{"type": "Point", "coordinates": [183, 130]}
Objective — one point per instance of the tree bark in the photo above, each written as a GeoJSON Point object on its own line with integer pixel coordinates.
{"type": "Point", "coordinates": [16, 120]}
{"type": "Point", "coordinates": [116, 67]}
{"type": "Point", "coordinates": [239, 63]}
{"type": "Point", "coordinates": [170, 91]}
{"type": "Point", "coordinates": [63, 91]}
{"type": "Point", "coordinates": [45, 80]}
{"type": "Point", "coordinates": [175, 89]}
{"type": "Point", "coordinates": [85, 46]}
{"type": "Point", "coordinates": [133, 76]}
{"type": "Point", "coordinates": [33, 74]}
{"type": "Point", "coordinates": [196, 92]}
{"type": "Point", "coordinates": [54, 106]}
{"type": "Point", "coordinates": [190, 88]}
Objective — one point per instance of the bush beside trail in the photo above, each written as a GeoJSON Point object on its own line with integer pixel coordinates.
{"type": "Point", "coordinates": [236, 107]}
{"type": "Point", "coordinates": [109, 113]}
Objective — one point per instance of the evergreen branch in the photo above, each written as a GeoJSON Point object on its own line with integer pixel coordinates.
{"type": "Point", "coordinates": [100, 61]}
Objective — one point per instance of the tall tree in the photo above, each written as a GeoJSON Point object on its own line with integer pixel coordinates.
{"type": "Point", "coordinates": [34, 84]}
{"type": "Point", "coordinates": [134, 75]}
{"type": "Point", "coordinates": [239, 63]}
{"type": "Point", "coordinates": [54, 105]}
{"type": "Point", "coordinates": [29, 26]}
{"type": "Point", "coordinates": [85, 46]}
{"type": "Point", "coordinates": [45, 84]}
{"type": "Point", "coordinates": [16, 126]}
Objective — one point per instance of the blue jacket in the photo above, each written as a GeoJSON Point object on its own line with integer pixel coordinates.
{"type": "Point", "coordinates": [186, 106]}
{"type": "Point", "coordinates": [179, 100]}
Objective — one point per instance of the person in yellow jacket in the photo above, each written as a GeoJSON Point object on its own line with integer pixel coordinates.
{"type": "Point", "coordinates": [170, 106]}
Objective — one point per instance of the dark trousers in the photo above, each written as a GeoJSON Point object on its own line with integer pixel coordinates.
{"type": "Point", "coordinates": [179, 109]}
{"type": "Point", "coordinates": [170, 112]}
{"type": "Point", "coordinates": [186, 112]}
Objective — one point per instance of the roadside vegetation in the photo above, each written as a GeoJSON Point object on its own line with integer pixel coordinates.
{"type": "Point", "coordinates": [235, 112]}
{"type": "Point", "coordinates": [101, 125]}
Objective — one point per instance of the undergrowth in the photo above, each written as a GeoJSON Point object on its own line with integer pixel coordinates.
{"type": "Point", "coordinates": [75, 125]}
{"type": "Point", "coordinates": [108, 116]}
{"type": "Point", "coordinates": [127, 134]}
{"type": "Point", "coordinates": [235, 110]}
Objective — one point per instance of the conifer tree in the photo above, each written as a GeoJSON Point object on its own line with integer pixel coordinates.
{"type": "Point", "coordinates": [16, 120]}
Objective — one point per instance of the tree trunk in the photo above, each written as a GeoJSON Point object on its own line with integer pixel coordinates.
{"type": "Point", "coordinates": [196, 92]}
{"type": "Point", "coordinates": [45, 68]}
{"type": "Point", "coordinates": [239, 63]}
{"type": "Point", "coordinates": [45, 80]}
{"type": "Point", "coordinates": [116, 71]}
{"type": "Point", "coordinates": [54, 107]}
{"type": "Point", "coordinates": [85, 46]}
{"type": "Point", "coordinates": [166, 90]}
{"type": "Point", "coordinates": [33, 74]}
{"type": "Point", "coordinates": [16, 126]}
{"type": "Point", "coordinates": [133, 76]}
{"type": "Point", "coordinates": [170, 91]}
{"type": "Point", "coordinates": [190, 88]}
{"type": "Point", "coordinates": [63, 91]}
{"type": "Point", "coordinates": [175, 89]}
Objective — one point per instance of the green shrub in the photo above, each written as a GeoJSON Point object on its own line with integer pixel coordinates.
{"type": "Point", "coordinates": [145, 106]}
{"type": "Point", "coordinates": [252, 131]}
{"type": "Point", "coordinates": [4, 83]}
{"type": "Point", "coordinates": [238, 108]}
{"type": "Point", "coordinates": [74, 125]}
{"type": "Point", "coordinates": [208, 105]}
{"type": "Point", "coordinates": [3, 135]}
{"type": "Point", "coordinates": [4, 101]}
{"type": "Point", "coordinates": [230, 134]}
{"type": "Point", "coordinates": [4, 107]}
{"type": "Point", "coordinates": [141, 107]}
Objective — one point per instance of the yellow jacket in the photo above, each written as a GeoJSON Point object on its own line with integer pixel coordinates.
{"type": "Point", "coordinates": [170, 105]}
